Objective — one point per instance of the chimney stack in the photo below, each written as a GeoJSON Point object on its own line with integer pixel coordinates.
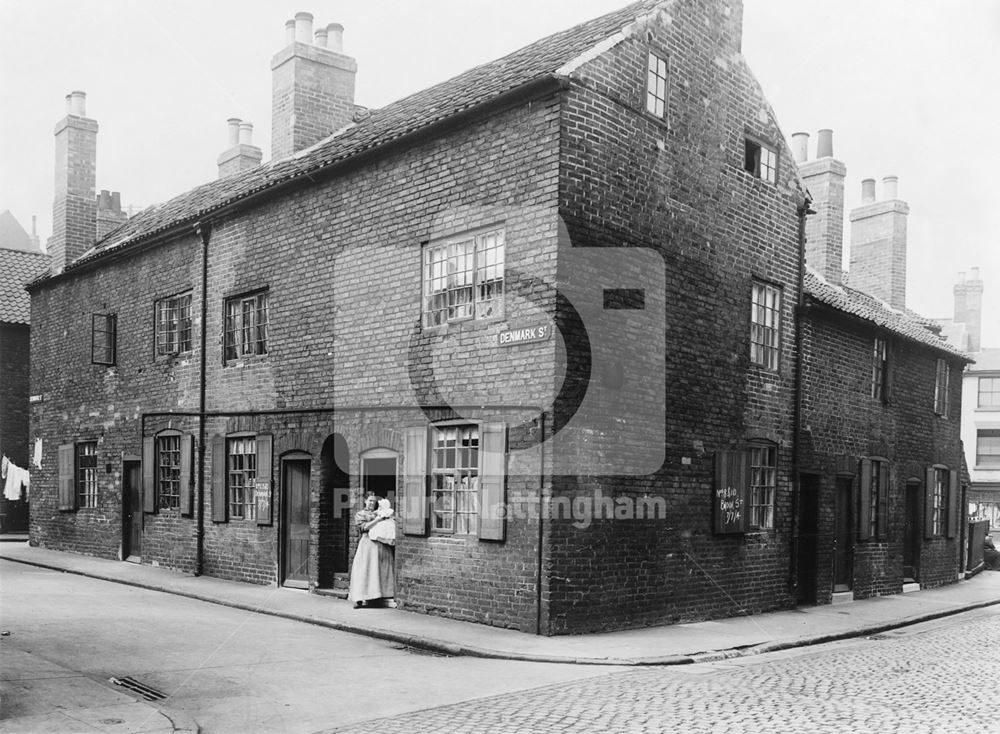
{"type": "Point", "coordinates": [312, 86]}
{"type": "Point", "coordinates": [969, 308]}
{"type": "Point", "coordinates": [74, 209]}
{"type": "Point", "coordinates": [109, 212]}
{"type": "Point", "coordinates": [824, 177]}
{"type": "Point", "coordinates": [878, 243]}
{"type": "Point", "coordinates": [241, 153]}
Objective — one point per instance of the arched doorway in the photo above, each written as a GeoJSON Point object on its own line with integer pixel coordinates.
{"type": "Point", "coordinates": [334, 509]}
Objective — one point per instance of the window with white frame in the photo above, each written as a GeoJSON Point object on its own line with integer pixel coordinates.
{"type": "Point", "coordinates": [168, 471]}
{"type": "Point", "coordinates": [989, 392]}
{"type": "Point", "coordinates": [765, 325]}
{"type": "Point", "coordinates": [939, 494]}
{"type": "Point", "coordinates": [246, 327]}
{"type": "Point", "coordinates": [880, 369]}
{"type": "Point", "coordinates": [941, 388]}
{"type": "Point", "coordinates": [988, 447]}
{"type": "Point", "coordinates": [763, 485]}
{"type": "Point", "coordinates": [455, 479]}
{"type": "Point", "coordinates": [103, 333]}
{"type": "Point", "coordinates": [656, 85]}
{"type": "Point", "coordinates": [173, 324]}
{"type": "Point", "coordinates": [241, 471]}
{"type": "Point", "coordinates": [464, 278]}
{"type": "Point", "coordinates": [761, 161]}
{"type": "Point", "coordinates": [86, 474]}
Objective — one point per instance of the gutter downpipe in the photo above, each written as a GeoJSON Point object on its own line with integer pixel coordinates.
{"type": "Point", "coordinates": [204, 230]}
{"type": "Point", "coordinates": [793, 567]}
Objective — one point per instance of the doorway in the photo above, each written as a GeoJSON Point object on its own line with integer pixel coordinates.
{"type": "Point", "coordinates": [378, 473]}
{"type": "Point", "coordinates": [911, 534]}
{"type": "Point", "coordinates": [295, 522]}
{"type": "Point", "coordinates": [132, 510]}
{"type": "Point", "coordinates": [808, 538]}
{"type": "Point", "coordinates": [843, 539]}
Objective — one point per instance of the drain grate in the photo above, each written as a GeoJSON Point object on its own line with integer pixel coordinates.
{"type": "Point", "coordinates": [150, 694]}
{"type": "Point", "coordinates": [420, 651]}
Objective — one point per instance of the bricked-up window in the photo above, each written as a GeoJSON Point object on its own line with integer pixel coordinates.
{"type": "Point", "coordinates": [173, 324]}
{"type": "Point", "coordinates": [103, 334]}
{"type": "Point", "coordinates": [989, 392]}
{"type": "Point", "coordinates": [761, 160]}
{"type": "Point", "coordinates": [938, 507]}
{"type": "Point", "coordinates": [988, 447]}
{"type": "Point", "coordinates": [246, 326]}
{"type": "Point", "coordinates": [464, 278]}
{"type": "Point", "coordinates": [763, 484]}
{"type": "Point", "coordinates": [941, 388]}
{"type": "Point", "coordinates": [880, 369]}
{"type": "Point", "coordinates": [86, 474]}
{"type": "Point", "coordinates": [168, 471]}
{"type": "Point", "coordinates": [656, 85]}
{"type": "Point", "coordinates": [454, 479]}
{"type": "Point", "coordinates": [241, 467]}
{"type": "Point", "coordinates": [765, 325]}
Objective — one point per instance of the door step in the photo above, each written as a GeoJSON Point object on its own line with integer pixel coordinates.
{"type": "Point", "coordinates": [909, 586]}
{"type": "Point", "coordinates": [842, 597]}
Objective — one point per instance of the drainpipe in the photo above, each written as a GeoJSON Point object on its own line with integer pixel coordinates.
{"type": "Point", "coordinates": [204, 230]}
{"type": "Point", "coordinates": [793, 570]}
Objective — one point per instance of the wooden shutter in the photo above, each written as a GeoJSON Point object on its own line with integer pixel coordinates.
{"type": "Point", "coordinates": [865, 502]}
{"type": "Point", "coordinates": [415, 482]}
{"type": "Point", "coordinates": [889, 370]}
{"type": "Point", "coordinates": [731, 494]}
{"type": "Point", "coordinates": [67, 487]}
{"type": "Point", "coordinates": [882, 518]}
{"type": "Point", "coordinates": [493, 482]}
{"type": "Point", "coordinates": [954, 503]}
{"type": "Point", "coordinates": [929, 503]}
{"type": "Point", "coordinates": [220, 507]}
{"type": "Point", "coordinates": [187, 477]}
{"type": "Point", "coordinates": [149, 474]}
{"type": "Point", "coordinates": [263, 484]}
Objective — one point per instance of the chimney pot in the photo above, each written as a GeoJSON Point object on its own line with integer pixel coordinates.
{"type": "Point", "coordinates": [116, 201]}
{"type": "Point", "coordinates": [824, 144]}
{"type": "Point", "coordinates": [320, 37]}
{"type": "Point", "coordinates": [246, 133]}
{"type": "Point", "coordinates": [800, 147]}
{"type": "Point", "coordinates": [335, 37]}
{"type": "Point", "coordinates": [890, 187]}
{"type": "Point", "coordinates": [304, 27]}
{"type": "Point", "coordinates": [76, 103]}
{"type": "Point", "coordinates": [974, 273]}
{"type": "Point", "coordinates": [234, 130]}
{"type": "Point", "coordinates": [289, 32]}
{"type": "Point", "coordinates": [868, 191]}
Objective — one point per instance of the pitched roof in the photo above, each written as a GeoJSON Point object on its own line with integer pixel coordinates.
{"type": "Point", "coordinates": [12, 234]}
{"type": "Point", "coordinates": [540, 59]}
{"type": "Point", "coordinates": [905, 323]}
{"type": "Point", "coordinates": [18, 268]}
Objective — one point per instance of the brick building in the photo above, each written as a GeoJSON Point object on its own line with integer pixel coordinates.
{"type": "Point", "coordinates": [880, 501]}
{"type": "Point", "coordinates": [548, 306]}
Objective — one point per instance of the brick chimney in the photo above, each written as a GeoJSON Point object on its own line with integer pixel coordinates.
{"type": "Point", "coordinates": [241, 153]}
{"type": "Point", "coordinates": [824, 178]}
{"type": "Point", "coordinates": [312, 86]}
{"type": "Point", "coordinates": [878, 243]}
{"type": "Point", "coordinates": [109, 212]}
{"type": "Point", "coordinates": [74, 210]}
{"type": "Point", "coordinates": [969, 308]}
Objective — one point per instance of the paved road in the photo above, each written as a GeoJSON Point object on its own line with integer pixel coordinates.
{"type": "Point", "coordinates": [938, 678]}
{"type": "Point", "coordinates": [233, 671]}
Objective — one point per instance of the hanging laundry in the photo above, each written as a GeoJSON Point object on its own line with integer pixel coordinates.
{"type": "Point", "coordinates": [37, 460]}
{"type": "Point", "coordinates": [15, 478]}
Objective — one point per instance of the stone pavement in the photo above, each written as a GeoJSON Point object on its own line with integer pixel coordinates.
{"type": "Point", "coordinates": [668, 645]}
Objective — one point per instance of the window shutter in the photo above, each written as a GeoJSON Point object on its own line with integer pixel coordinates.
{"type": "Point", "coordinates": [492, 482]}
{"type": "Point", "coordinates": [954, 503]}
{"type": "Point", "coordinates": [220, 507]}
{"type": "Point", "coordinates": [149, 474]}
{"type": "Point", "coordinates": [67, 487]}
{"type": "Point", "coordinates": [882, 519]}
{"type": "Point", "coordinates": [889, 371]}
{"type": "Point", "coordinates": [929, 503]}
{"type": "Point", "coordinates": [186, 489]}
{"type": "Point", "coordinates": [865, 503]}
{"type": "Point", "coordinates": [265, 444]}
{"type": "Point", "coordinates": [731, 500]}
{"type": "Point", "coordinates": [415, 482]}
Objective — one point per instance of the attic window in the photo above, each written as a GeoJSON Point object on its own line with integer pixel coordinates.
{"type": "Point", "coordinates": [656, 86]}
{"type": "Point", "coordinates": [761, 161]}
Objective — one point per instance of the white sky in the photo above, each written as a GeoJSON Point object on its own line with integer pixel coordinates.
{"type": "Point", "coordinates": [909, 88]}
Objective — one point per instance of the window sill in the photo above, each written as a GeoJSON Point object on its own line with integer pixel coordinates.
{"type": "Point", "coordinates": [245, 361]}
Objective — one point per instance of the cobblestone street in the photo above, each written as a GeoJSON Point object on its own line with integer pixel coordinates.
{"type": "Point", "coordinates": [938, 678]}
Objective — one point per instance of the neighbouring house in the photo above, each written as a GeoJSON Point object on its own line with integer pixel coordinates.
{"type": "Point", "coordinates": [21, 260]}
{"type": "Point", "coordinates": [880, 499]}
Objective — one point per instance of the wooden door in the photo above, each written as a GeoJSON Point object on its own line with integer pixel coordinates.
{"type": "Point", "coordinates": [295, 512]}
{"type": "Point", "coordinates": [131, 511]}
{"type": "Point", "coordinates": [911, 534]}
{"type": "Point", "coordinates": [843, 562]}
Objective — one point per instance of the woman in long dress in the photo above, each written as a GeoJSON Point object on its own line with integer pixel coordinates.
{"type": "Point", "coordinates": [373, 573]}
